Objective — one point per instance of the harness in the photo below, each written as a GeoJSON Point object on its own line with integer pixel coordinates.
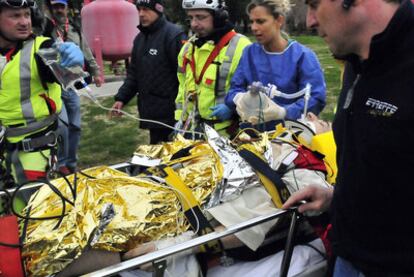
{"type": "Point", "coordinates": [271, 179]}
{"type": "Point", "coordinates": [216, 51]}
{"type": "Point", "coordinates": [45, 138]}
{"type": "Point", "coordinates": [231, 39]}
{"type": "Point", "coordinates": [6, 180]}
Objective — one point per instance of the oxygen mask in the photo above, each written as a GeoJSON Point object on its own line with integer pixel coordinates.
{"type": "Point", "coordinates": [252, 103]}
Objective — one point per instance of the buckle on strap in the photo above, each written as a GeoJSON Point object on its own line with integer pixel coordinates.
{"type": "Point", "coordinates": [31, 144]}
{"type": "Point", "coordinates": [26, 145]}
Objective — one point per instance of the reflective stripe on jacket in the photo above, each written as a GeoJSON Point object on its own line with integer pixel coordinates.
{"type": "Point", "coordinates": [23, 99]}
{"type": "Point", "coordinates": [209, 91]}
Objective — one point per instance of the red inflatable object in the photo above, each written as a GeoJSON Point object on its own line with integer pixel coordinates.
{"type": "Point", "coordinates": [110, 27]}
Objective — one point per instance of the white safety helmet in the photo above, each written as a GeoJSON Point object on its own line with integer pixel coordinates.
{"type": "Point", "coordinates": [203, 4]}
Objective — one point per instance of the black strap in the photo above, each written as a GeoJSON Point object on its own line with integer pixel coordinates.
{"type": "Point", "coordinates": [184, 152]}
{"type": "Point", "coordinates": [262, 167]}
{"type": "Point", "coordinates": [204, 227]}
{"type": "Point", "coordinates": [39, 143]}
{"type": "Point", "coordinates": [13, 159]}
{"type": "Point", "coordinates": [193, 214]}
{"type": "Point", "coordinates": [34, 144]}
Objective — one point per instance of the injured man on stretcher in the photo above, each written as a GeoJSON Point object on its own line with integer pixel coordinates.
{"type": "Point", "coordinates": [191, 188]}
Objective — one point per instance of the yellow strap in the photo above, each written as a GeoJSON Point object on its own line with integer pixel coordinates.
{"type": "Point", "coordinates": [188, 201]}
{"type": "Point", "coordinates": [268, 184]}
{"type": "Point", "coordinates": [185, 196]}
{"type": "Point", "coordinates": [271, 189]}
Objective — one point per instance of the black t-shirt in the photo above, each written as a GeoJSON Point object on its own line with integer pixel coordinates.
{"type": "Point", "coordinates": [374, 133]}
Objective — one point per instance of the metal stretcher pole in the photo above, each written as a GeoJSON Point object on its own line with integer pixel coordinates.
{"type": "Point", "coordinates": [29, 186]}
{"type": "Point", "coordinates": [287, 255]}
{"type": "Point", "coordinates": [38, 185]}
{"type": "Point", "coordinates": [160, 254]}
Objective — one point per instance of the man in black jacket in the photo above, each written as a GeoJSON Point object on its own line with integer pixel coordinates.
{"type": "Point", "coordinates": [372, 200]}
{"type": "Point", "coordinates": [152, 74]}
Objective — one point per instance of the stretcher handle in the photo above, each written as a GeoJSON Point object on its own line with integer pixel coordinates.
{"type": "Point", "coordinates": [165, 252]}
{"type": "Point", "coordinates": [287, 255]}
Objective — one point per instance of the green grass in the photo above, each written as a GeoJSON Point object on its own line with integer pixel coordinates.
{"type": "Point", "coordinates": [108, 141]}
{"type": "Point", "coordinates": [105, 141]}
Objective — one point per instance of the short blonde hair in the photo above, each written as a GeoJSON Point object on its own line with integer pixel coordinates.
{"type": "Point", "coordinates": [274, 7]}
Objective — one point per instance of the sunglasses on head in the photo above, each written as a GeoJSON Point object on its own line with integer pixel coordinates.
{"type": "Point", "coordinates": [18, 3]}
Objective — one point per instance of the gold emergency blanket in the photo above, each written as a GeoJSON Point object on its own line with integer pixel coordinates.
{"type": "Point", "coordinates": [144, 207]}
{"type": "Point", "coordinates": [145, 210]}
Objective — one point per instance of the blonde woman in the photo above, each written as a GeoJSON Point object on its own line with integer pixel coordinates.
{"type": "Point", "coordinates": [279, 61]}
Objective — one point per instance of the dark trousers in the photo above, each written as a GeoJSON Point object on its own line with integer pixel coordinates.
{"type": "Point", "coordinates": [158, 135]}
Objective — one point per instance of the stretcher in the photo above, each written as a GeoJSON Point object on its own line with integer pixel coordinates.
{"type": "Point", "coordinates": [157, 258]}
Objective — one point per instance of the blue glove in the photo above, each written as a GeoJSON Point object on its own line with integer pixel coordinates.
{"type": "Point", "coordinates": [221, 111]}
{"type": "Point", "coordinates": [71, 54]}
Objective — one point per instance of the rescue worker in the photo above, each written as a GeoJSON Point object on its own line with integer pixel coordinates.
{"type": "Point", "coordinates": [206, 64]}
{"type": "Point", "coordinates": [284, 65]}
{"type": "Point", "coordinates": [371, 201]}
{"type": "Point", "coordinates": [29, 95]}
{"type": "Point", "coordinates": [60, 26]}
{"type": "Point", "coordinates": [152, 72]}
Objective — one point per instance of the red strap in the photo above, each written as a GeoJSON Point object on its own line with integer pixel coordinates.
{"type": "Point", "coordinates": [51, 105]}
{"type": "Point", "coordinates": [223, 41]}
{"type": "Point", "coordinates": [9, 54]}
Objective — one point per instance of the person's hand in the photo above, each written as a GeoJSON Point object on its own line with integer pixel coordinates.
{"type": "Point", "coordinates": [271, 110]}
{"type": "Point", "coordinates": [98, 80]}
{"type": "Point", "coordinates": [221, 111]}
{"type": "Point", "coordinates": [157, 245]}
{"type": "Point", "coordinates": [71, 54]}
{"type": "Point", "coordinates": [239, 100]}
{"type": "Point", "coordinates": [116, 108]}
{"type": "Point", "coordinates": [317, 199]}
{"type": "Point", "coordinates": [139, 251]}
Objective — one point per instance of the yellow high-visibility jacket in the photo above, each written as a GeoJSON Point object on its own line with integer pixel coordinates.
{"type": "Point", "coordinates": [216, 79]}
{"type": "Point", "coordinates": [23, 99]}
